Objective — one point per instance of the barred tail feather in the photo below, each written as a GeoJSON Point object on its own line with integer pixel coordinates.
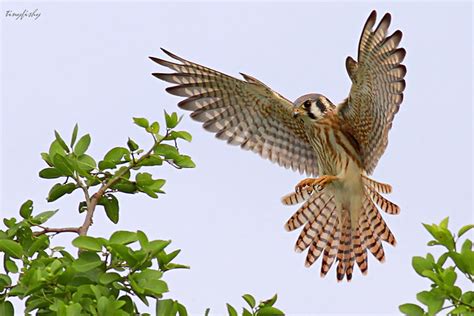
{"type": "Point", "coordinates": [360, 251]}
{"type": "Point", "coordinates": [384, 204]}
{"type": "Point", "coordinates": [331, 249]}
{"type": "Point", "coordinates": [307, 211]}
{"type": "Point", "coordinates": [378, 225]}
{"type": "Point", "coordinates": [345, 253]}
{"type": "Point", "coordinates": [313, 229]}
{"type": "Point", "coordinates": [297, 197]}
{"type": "Point", "coordinates": [377, 186]}
{"type": "Point", "coordinates": [371, 240]}
{"type": "Point", "coordinates": [322, 240]}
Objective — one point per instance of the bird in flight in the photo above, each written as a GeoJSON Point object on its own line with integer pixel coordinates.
{"type": "Point", "coordinates": [339, 145]}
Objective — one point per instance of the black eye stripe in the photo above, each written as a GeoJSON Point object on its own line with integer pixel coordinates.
{"type": "Point", "coordinates": [311, 115]}
{"type": "Point", "coordinates": [320, 106]}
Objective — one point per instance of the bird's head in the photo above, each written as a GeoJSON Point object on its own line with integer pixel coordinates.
{"type": "Point", "coordinates": [312, 106]}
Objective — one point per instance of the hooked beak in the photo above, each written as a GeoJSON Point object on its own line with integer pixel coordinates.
{"type": "Point", "coordinates": [297, 112]}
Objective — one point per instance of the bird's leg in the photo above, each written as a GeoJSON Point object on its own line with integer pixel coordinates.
{"type": "Point", "coordinates": [315, 183]}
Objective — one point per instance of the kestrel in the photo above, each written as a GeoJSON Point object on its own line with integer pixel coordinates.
{"type": "Point", "coordinates": [339, 144]}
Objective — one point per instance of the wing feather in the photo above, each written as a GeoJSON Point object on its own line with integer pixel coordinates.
{"type": "Point", "coordinates": [245, 113]}
{"type": "Point", "coordinates": [377, 89]}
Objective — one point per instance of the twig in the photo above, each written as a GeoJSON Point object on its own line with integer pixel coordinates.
{"type": "Point", "coordinates": [47, 230]}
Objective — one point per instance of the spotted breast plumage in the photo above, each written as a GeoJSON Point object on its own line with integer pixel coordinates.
{"type": "Point", "coordinates": [339, 144]}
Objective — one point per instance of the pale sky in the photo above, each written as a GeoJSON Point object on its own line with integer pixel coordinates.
{"type": "Point", "coordinates": [88, 63]}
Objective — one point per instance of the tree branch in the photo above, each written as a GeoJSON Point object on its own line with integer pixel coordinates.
{"type": "Point", "coordinates": [92, 202]}
{"type": "Point", "coordinates": [47, 230]}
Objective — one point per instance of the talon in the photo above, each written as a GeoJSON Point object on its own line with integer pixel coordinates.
{"type": "Point", "coordinates": [304, 184]}
{"type": "Point", "coordinates": [319, 187]}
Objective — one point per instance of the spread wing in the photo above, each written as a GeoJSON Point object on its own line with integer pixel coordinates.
{"type": "Point", "coordinates": [245, 113]}
{"type": "Point", "coordinates": [377, 89]}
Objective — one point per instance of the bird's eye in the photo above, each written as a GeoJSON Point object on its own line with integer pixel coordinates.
{"type": "Point", "coordinates": [307, 104]}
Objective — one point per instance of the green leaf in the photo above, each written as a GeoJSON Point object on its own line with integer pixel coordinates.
{"type": "Point", "coordinates": [153, 160]}
{"type": "Point", "coordinates": [444, 223]}
{"type": "Point", "coordinates": [41, 243]}
{"type": "Point", "coordinates": [465, 262]}
{"type": "Point", "coordinates": [269, 311]}
{"type": "Point", "coordinates": [441, 234]}
{"type": "Point", "coordinates": [182, 310]}
{"type": "Point", "coordinates": [74, 134]}
{"type": "Point", "coordinates": [249, 299]}
{"type": "Point", "coordinates": [104, 164]}
{"type": "Point", "coordinates": [421, 264]}
{"type": "Point", "coordinates": [63, 164]}
{"type": "Point", "coordinates": [270, 301]}
{"type": "Point", "coordinates": [155, 246]}
{"type": "Point", "coordinates": [55, 149]}
{"type": "Point", "coordinates": [125, 253]}
{"type": "Point", "coordinates": [167, 151]}
{"type": "Point", "coordinates": [466, 246]}
{"type": "Point", "coordinates": [411, 310]}
{"type": "Point", "coordinates": [144, 179]}
{"type": "Point", "coordinates": [171, 120]}
{"type": "Point", "coordinates": [461, 310]}
{"type": "Point", "coordinates": [125, 186]}
{"type": "Point", "coordinates": [61, 141]}
{"type": "Point", "coordinates": [442, 259]}
{"type": "Point", "coordinates": [82, 145]}
{"type": "Point", "coordinates": [184, 161]}
{"type": "Point", "coordinates": [109, 277]}
{"type": "Point", "coordinates": [231, 310]}
{"type": "Point", "coordinates": [5, 280]}
{"type": "Point", "coordinates": [59, 190]}
{"type": "Point", "coordinates": [132, 145]}
{"type": "Point", "coordinates": [11, 248]}
{"type": "Point", "coordinates": [6, 308]}
{"type": "Point", "coordinates": [246, 312]}
{"type": "Point", "coordinates": [10, 265]}
{"type": "Point", "coordinates": [87, 243]}
{"type": "Point", "coordinates": [465, 229]}
{"type": "Point", "coordinates": [46, 158]}
{"type": "Point", "coordinates": [468, 298]}
{"type": "Point", "coordinates": [155, 287]}
{"type": "Point", "coordinates": [26, 209]}
{"type": "Point", "coordinates": [141, 121]}
{"type": "Point", "coordinates": [50, 173]}
{"type": "Point", "coordinates": [111, 207]}
{"type": "Point", "coordinates": [142, 238]}
{"type": "Point", "coordinates": [86, 163]}
{"type": "Point", "coordinates": [432, 300]}
{"type": "Point", "coordinates": [154, 128]}
{"type": "Point", "coordinates": [183, 135]}
{"type": "Point", "coordinates": [43, 217]}
{"type": "Point", "coordinates": [166, 307]}
{"type": "Point", "coordinates": [432, 276]}
{"type": "Point", "coordinates": [74, 309]}
{"type": "Point", "coordinates": [449, 276]}
{"type": "Point", "coordinates": [87, 261]}
{"type": "Point", "coordinates": [116, 154]}
{"type": "Point", "coordinates": [123, 237]}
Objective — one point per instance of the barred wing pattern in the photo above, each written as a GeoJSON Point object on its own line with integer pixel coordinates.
{"type": "Point", "coordinates": [245, 113]}
{"type": "Point", "coordinates": [377, 89]}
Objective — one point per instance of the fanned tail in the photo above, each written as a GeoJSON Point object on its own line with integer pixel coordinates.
{"type": "Point", "coordinates": [329, 232]}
